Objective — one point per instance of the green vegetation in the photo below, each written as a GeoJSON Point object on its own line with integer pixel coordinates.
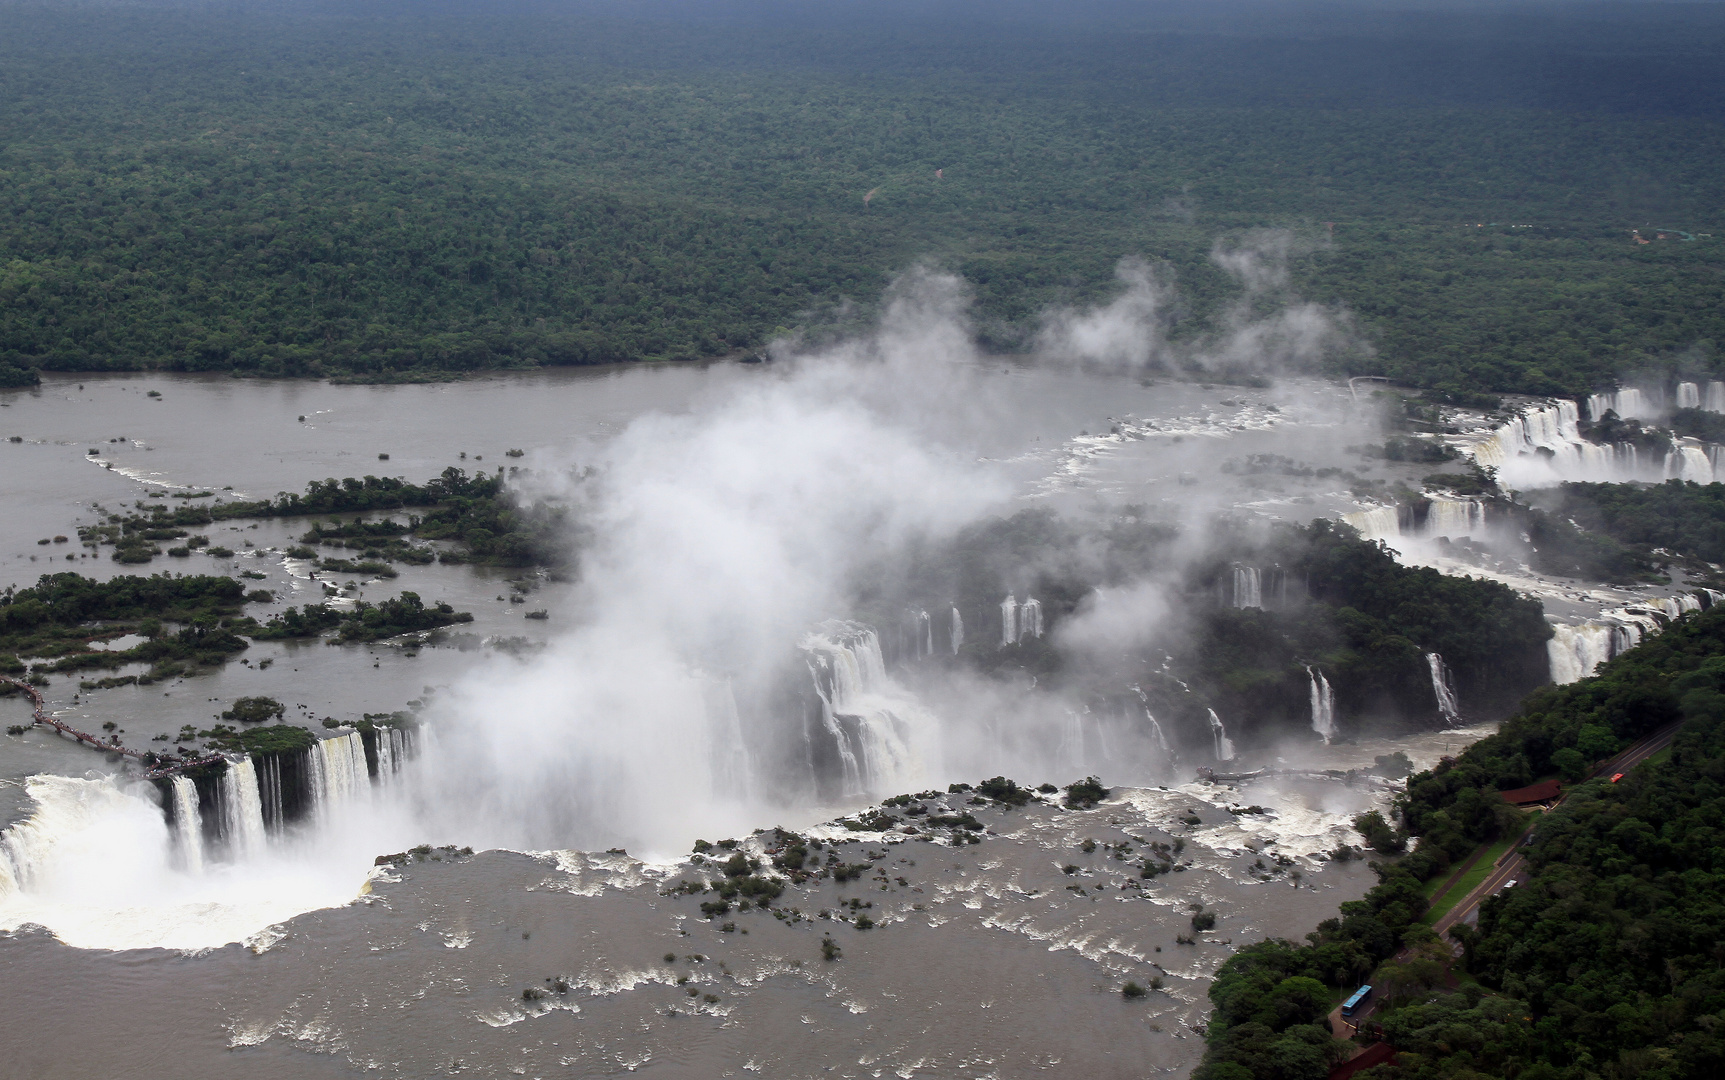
{"type": "Point", "coordinates": [1466, 883]}
{"type": "Point", "coordinates": [376, 194]}
{"type": "Point", "coordinates": [255, 710]}
{"type": "Point", "coordinates": [478, 512]}
{"type": "Point", "coordinates": [1604, 960]}
{"type": "Point", "coordinates": [60, 621]}
{"type": "Point", "coordinates": [1624, 523]}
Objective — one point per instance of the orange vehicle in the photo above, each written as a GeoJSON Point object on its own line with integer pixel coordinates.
{"type": "Point", "coordinates": [1615, 777]}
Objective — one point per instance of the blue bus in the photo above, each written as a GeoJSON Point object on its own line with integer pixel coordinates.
{"type": "Point", "coordinates": [1350, 1006]}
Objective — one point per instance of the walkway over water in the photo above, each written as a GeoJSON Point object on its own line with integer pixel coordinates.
{"type": "Point", "coordinates": [155, 766]}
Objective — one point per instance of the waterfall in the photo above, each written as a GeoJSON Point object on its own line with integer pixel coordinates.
{"type": "Point", "coordinates": [1443, 688]}
{"type": "Point", "coordinates": [1543, 445]}
{"type": "Point", "coordinates": [728, 756]}
{"type": "Point", "coordinates": [1248, 592]}
{"type": "Point", "coordinates": [188, 824]}
{"type": "Point", "coordinates": [1454, 517]}
{"type": "Point", "coordinates": [1630, 404]}
{"type": "Point", "coordinates": [869, 719]}
{"type": "Point", "coordinates": [270, 781]}
{"type": "Point", "coordinates": [242, 809]}
{"type": "Point", "coordinates": [1378, 523]}
{"type": "Point", "coordinates": [957, 630]}
{"type": "Point", "coordinates": [927, 633]}
{"type": "Point", "coordinates": [1688, 396]}
{"type": "Point", "coordinates": [1323, 706]}
{"type": "Point", "coordinates": [1008, 621]}
{"type": "Point", "coordinates": [1030, 618]}
{"type": "Point", "coordinates": [1690, 462]}
{"type": "Point", "coordinates": [1715, 397]}
{"type": "Point", "coordinates": [1224, 745]}
{"type": "Point", "coordinates": [338, 772]}
{"type": "Point", "coordinates": [1575, 651]}
{"type": "Point", "coordinates": [1155, 728]}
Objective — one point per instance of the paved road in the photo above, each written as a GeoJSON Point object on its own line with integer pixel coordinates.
{"type": "Point", "coordinates": [1513, 867]}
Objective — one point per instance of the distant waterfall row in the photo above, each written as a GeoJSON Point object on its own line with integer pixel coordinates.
{"type": "Point", "coordinates": [1633, 403]}
{"type": "Point", "coordinates": [1576, 650]}
{"type": "Point", "coordinates": [1543, 445]}
{"type": "Point", "coordinates": [231, 813]}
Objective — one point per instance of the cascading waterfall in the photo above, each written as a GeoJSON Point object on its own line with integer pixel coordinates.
{"type": "Point", "coordinates": [1543, 445]}
{"type": "Point", "coordinates": [957, 631]}
{"type": "Point", "coordinates": [270, 783]}
{"type": "Point", "coordinates": [871, 722]}
{"type": "Point", "coordinates": [1688, 396]}
{"type": "Point", "coordinates": [242, 809]}
{"type": "Point", "coordinates": [188, 825]}
{"type": "Point", "coordinates": [1323, 706]}
{"type": "Point", "coordinates": [1443, 688]}
{"type": "Point", "coordinates": [338, 772]}
{"type": "Point", "coordinates": [1378, 523]}
{"type": "Point", "coordinates": [1030, 618]}
{"type": "Point", "coordinates": [1008, 621]}
{"type": "Point", "coordinates": [1224, 745]}
{"type": "Point", "coordinates": [1454, 517]}
{"type": "Point", "coordinates": [1248, 590]}
{"type": "Point", "coordinates": [1715, 399]}
{"type": "Point", "coordinates": [1576, 650]}
{"type": "Point", "coordinates": [1629, 403]}
{"type": "Point", "coordinates": [1155, 728]}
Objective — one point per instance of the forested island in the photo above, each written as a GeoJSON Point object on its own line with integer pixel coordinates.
{"type": "Point", "coordinates": [369, 195]}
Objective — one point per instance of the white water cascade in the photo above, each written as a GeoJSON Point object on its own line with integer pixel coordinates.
{"type": "Point", "coordinates": [1443, 688]}
{"type": "Point", "coordinates": [1248, 587]}
{"type": "Point", "coordinates": [242, 810]}
{"type": "Point", "coordinates": [927, 633]}
{"type": "Point", "coordinates": [1378, 523]}
{"type": "Point", "coordinates": [1008, 621]}
{"type": "Point", "coordinates": [874, 725]}
{"type": "Point", "coordinates": [1224, 745]}
{"type": "Point", "coordinates": [1629, 403]}
{"type": "Point", "coordinates": [1543, 446]}
{"type": "Point", "coordinates": [1575, 651]}
{"type": "Point", "coordinates": [1714, 401]}
{"type": "Point", "coordinates": [188, 825]}
{"type": "Point", "coordinates": [1030, 618]}
{"type": "Point", "coordinates": [338, 773]}
{"type": "Point", "coordinates": [957, 631]}
{"type": "Point", "coordinates": [1688, 396]}
{"type": "Point", "coordinates": [1323, 706]}
{"type": "Point", "coordinates": [1454, 517]}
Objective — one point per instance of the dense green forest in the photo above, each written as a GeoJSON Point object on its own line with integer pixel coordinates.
{"type": "Point", "coordinates": [302, 190]}
{"type": "Point", "coordinates": [1604, 962]}
{"type": "Point", "coordinates": [1612, 531]}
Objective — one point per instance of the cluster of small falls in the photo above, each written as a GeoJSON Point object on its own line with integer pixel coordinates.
{"type": "Point", "coordinates": [1543, 443]}
{"type": "Point", "coordinates": [231, 814]}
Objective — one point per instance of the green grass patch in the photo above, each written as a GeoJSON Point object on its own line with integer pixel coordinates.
{"type": "Point", "coordinates": [1468, 881]}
